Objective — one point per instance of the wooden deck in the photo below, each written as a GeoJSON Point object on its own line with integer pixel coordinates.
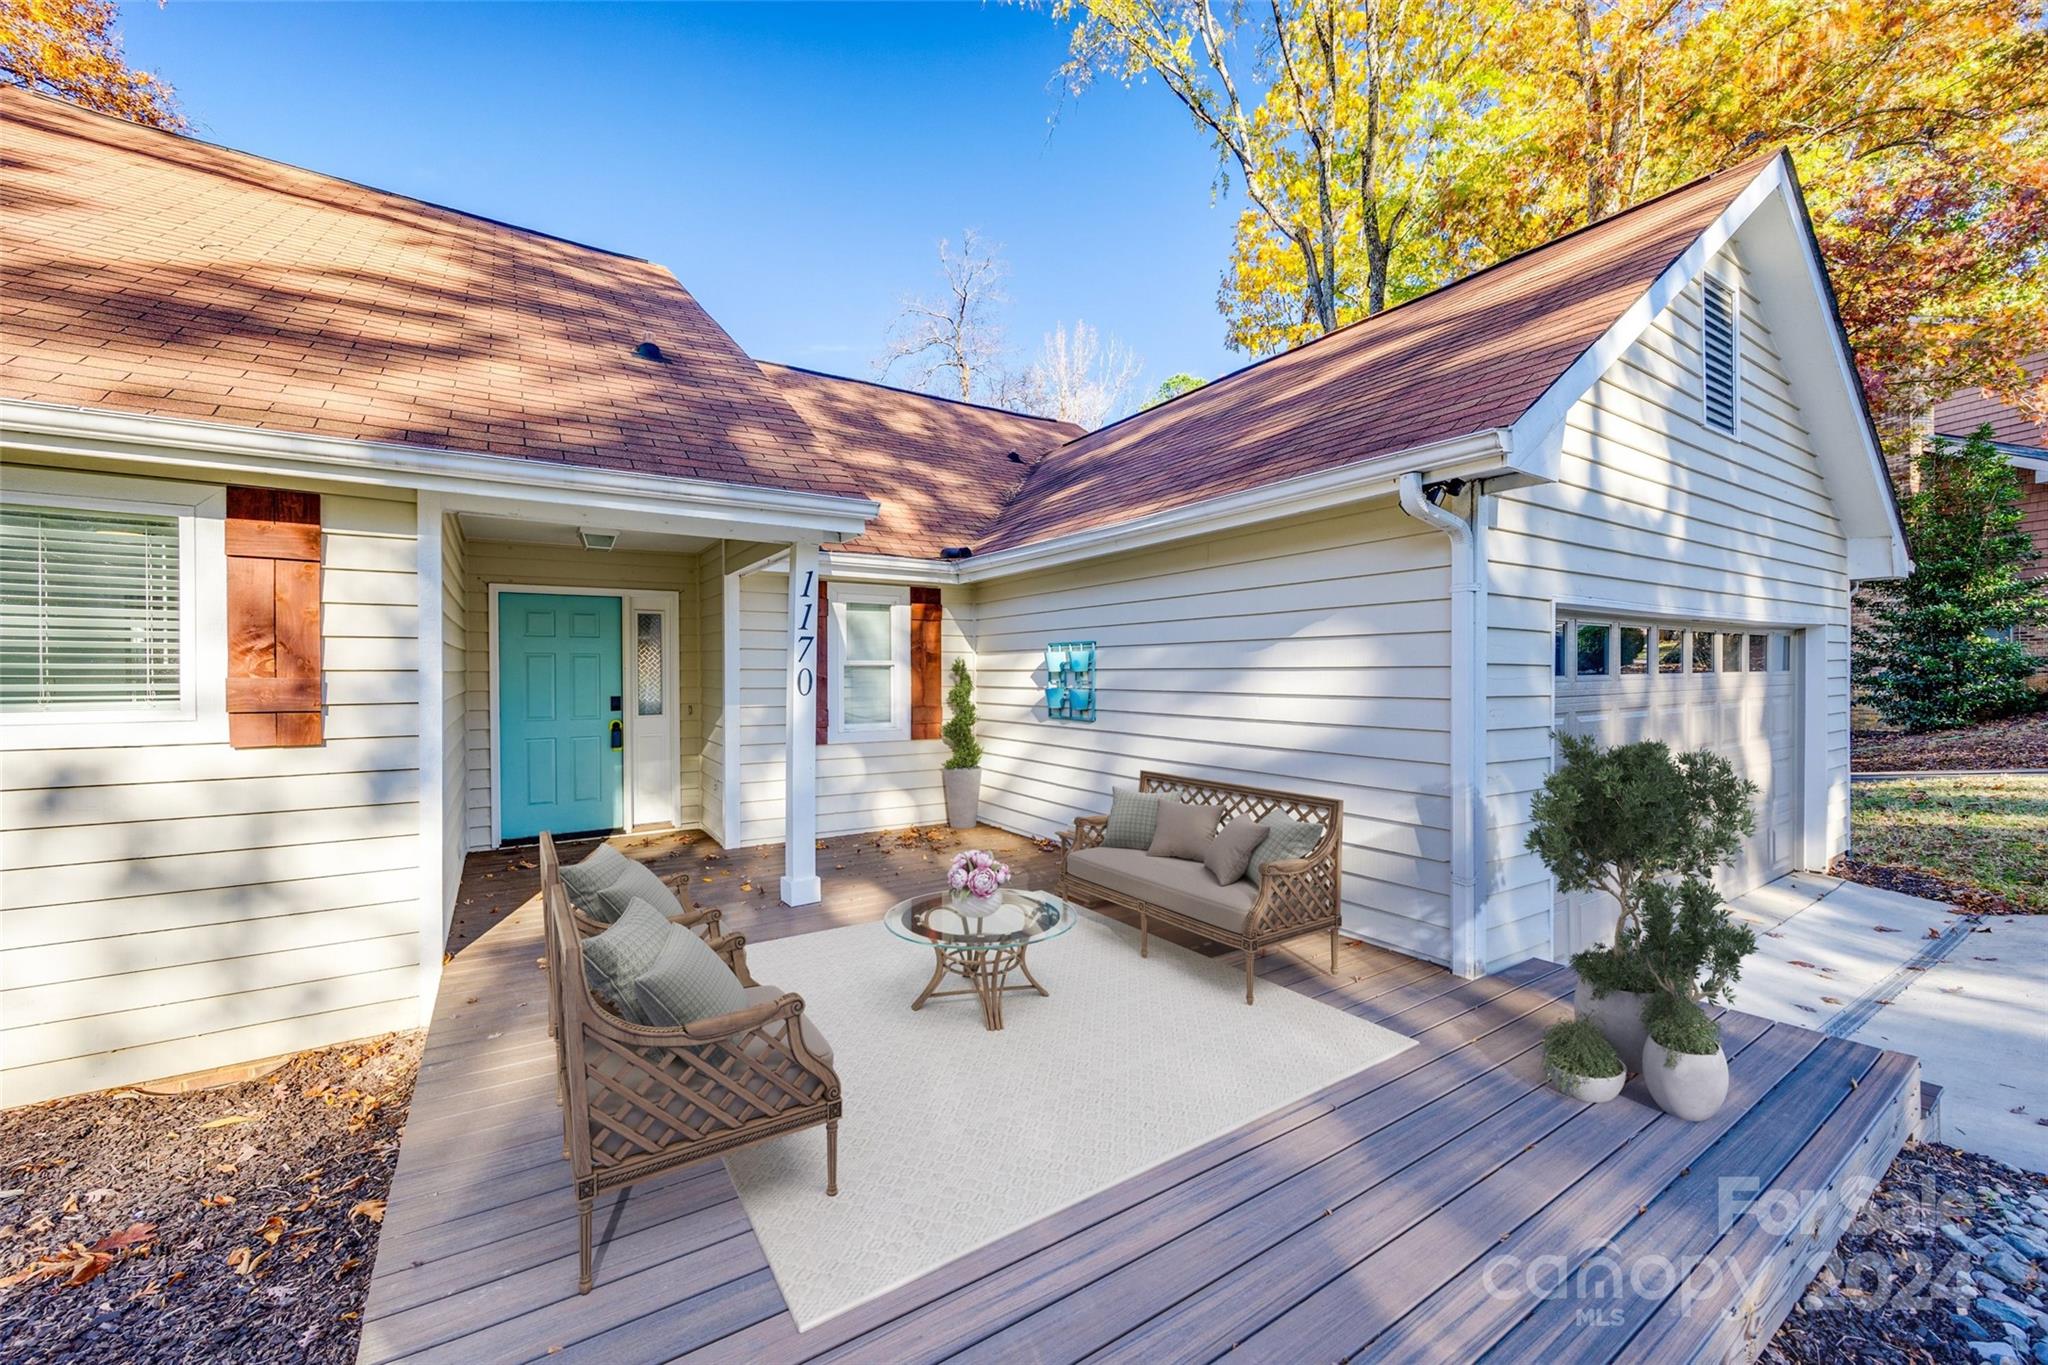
{"type": "Point", "coordinates": [1423, 1209]}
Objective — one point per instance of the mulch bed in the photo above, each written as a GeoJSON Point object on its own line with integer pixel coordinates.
{"type": "Point", "coordinates": [231, 1224]}
{"type": "Point", "coordinates": [1911, 881]}
{"type": "Point", "coordinates": [1995, 746]}
{"type": "Point", "coordinates": [1928, 1268]}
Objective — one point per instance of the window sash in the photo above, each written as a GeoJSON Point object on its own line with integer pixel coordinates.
{"type": "Point", "coordinates": [91, 617]}
{"type": "Point", "coordinates": [870, 663]}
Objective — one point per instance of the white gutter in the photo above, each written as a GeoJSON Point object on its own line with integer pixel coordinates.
{"type": "Point", "coordinates": [46, 428]}
{"type": "Point", "coordinates": [1468, 715]}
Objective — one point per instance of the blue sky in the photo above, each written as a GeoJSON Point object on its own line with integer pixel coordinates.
{"type": "Point", "coordinates": [794, 165]}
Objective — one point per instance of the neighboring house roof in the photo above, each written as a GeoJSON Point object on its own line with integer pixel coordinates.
{"type": "Point", "coordinates": [2011, 425]}
{"type": "Point", "coordinates": [1466, 358]}
{"type": "Point", "coordinates": [150, 273]}
{"type": "Point", "coordinates": [939, 468]}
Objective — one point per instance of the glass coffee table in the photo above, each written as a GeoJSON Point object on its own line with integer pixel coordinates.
{"type": "Point", "coordinates": [981, 942]}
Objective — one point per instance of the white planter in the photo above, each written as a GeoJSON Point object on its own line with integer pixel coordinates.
{"type": "Point", "coordinates": [963, 796]}
{"type": "Point", "coordinates": [1591, 1089]}
{"type": "Point", "coordinates": [1692, 1088]}
{"type": "Point", "coordinates": [1619, 1017]}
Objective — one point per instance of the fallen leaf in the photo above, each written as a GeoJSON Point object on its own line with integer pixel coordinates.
{"type": "Point", "coordinates": [1882, 929]}
{"type": "Point", "coordinates": [227, 1121]}
{"type": "Point", "coordinates": [217, 1201]}
{"type": "Point", "coordinates": [372, 1209]}
{"type": "Point", "coordinates": [1798, 963]}
{"type": "Point", "coordinates": [128, 1238]}
{"type": "Point", "coordinates": [273, 1228]}
{"type": "Point", "coordinates": [1829, 1000]}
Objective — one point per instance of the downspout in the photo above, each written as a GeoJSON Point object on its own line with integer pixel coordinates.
{"type": "Point", "coordinates": [1468, 715]}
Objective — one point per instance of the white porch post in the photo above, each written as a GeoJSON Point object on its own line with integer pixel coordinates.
{"type": "Point", "coordinates": [435, 894]}
{"type": "Point", "coordinates": [800, 782]}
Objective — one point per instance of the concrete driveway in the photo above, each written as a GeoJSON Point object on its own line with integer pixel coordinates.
{"type": "Point", "coordinates": [1967, 995]}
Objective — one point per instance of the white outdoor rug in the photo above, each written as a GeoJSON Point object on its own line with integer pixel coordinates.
{"type": "Point", "coordinates": [955, 1136]}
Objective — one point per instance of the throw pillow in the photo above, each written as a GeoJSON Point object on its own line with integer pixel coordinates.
{"type": "Point", "coordinates": [615, 960]}
{"type": "Point", "coordinates": [607, 881]}
{"type": "Point", "coordinates": [1133, 819]}
{"type": "Point", "coordinates": [1184, 831]}
{"type": "Point", "coordinates": [1290, 838]}
{"type": "Point", "coordinates": [1231, 850]}
{"type": "Point", "coordinates": [687, 981]}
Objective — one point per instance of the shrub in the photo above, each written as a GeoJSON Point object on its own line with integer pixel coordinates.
{"type": "Point", "coordinates": [1577, 1048]}
{"type": "Point", "coordinates": [958, 732]}
{"type": "Point", "coordinates": [1681, 1027]}
{"type": "Point", "coordinates": [1689, 946]}
{"type": "Point", "coordinates": [1934, 656]}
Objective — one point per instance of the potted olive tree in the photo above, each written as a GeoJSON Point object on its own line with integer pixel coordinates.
{"type": "Point", "coordinates": [1580, 1062]}
{"type": "Point", "coordinates": [1620, 820]}
{"type": "Point", "coordinates": [1693, 950]}
{"type": "Point", "coordinates": [962, 774]}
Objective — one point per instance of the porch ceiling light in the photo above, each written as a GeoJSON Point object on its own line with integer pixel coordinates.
{"type": "Point", "coordinates": [594, 539]}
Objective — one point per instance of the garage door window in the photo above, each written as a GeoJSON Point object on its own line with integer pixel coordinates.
{"type": "Point", "coordinates": [1635, 650]}
{"type": "Point", "coordinates": [1670, 651]}
{"type": "Point", "coordinates": [1592, 658]}
{"type": "Point", "coordinates": [1703, 651]}
{"type": "Point", "coordinates": [1759, 653]}
{"type": "Point", "coordinates": [1557, 651]}
{"type": "Point", "coordinates": [1731, 653]}
{"type": "Point", "coordinates": [1784, 653]}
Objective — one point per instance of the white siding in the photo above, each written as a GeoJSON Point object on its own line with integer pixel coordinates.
{"type": "Point", "coordinates": [862, 785]}
{"type": "Point", "coordinates": [550, 566]}
{"type": "Point", "coordinates": [1311, 657]}
{"type": "Point", "coordinates": [1659, 513]}
{"type": "Point", "coordinates": [171, 908]}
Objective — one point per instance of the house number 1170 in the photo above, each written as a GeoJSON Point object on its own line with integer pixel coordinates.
{"type": "Point", "coordinates": [806, 636]}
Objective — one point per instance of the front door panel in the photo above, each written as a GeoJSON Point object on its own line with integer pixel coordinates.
{"type": "Point", "coordinates": [558, 678]}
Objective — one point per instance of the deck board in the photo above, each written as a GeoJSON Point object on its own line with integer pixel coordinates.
{"type": "Point", "coordinates": [1361, 1219]}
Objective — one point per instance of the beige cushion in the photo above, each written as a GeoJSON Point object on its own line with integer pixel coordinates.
{"type": "Point", "coordinates": [1232, 848]}
{"type": "Point", "coordinates": [1184, 830]}
{"type": "Point", "coordinates": [813, 1038]}
{"type": "Point", "coordinates": [1169, 883]}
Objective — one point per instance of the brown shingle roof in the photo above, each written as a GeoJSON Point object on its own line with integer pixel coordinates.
{"type": "Point", "coordinates": [155, 274]}
{"type": "Point", "coordinates": [1469, 357]}
{"type": "Point", "coordinates": [939, 468]}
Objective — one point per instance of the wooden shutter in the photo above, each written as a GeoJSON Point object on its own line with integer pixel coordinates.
{"type": "Point", "coordinates": [822, 684]}
{"type": "Point", "coordinates": [273, 546]}
{"type": "Point", "coordinates": [926, 679]}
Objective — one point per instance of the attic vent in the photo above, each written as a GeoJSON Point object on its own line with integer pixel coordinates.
{"type": "Point", "coordinates": [647, 350]}
{"type": "Point", "coordinates": [1718, 330]}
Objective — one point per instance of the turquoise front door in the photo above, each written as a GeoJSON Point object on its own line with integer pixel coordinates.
{"type": "Point", "coordinates": [561, 763]}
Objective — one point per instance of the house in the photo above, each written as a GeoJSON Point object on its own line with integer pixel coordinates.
{"type": "Point", "coordinates": [2023, 436]}
{"type": "Point", "coordinates": [345, 534]}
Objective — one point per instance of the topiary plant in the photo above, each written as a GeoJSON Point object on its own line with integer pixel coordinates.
{"type": "Point", "coordinates": [1618, 820]}
{"type": "Point", "coordinates": [1680, 1027]}
{"type": "Point", "coordinates": [1576, 1047]}
{"type": "Point", "coordinates": [959, 731]}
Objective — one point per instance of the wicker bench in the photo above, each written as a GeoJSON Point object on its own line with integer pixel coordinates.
{"type": "Point", "coordinates": [1295, 896]}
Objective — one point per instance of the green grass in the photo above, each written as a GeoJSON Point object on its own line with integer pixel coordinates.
{"type": "Point", "coordinates": [1988, 832]}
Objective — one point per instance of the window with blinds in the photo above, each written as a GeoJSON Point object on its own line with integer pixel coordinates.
{"type": "Point", "coordinates": [89, 610]}
{"type": "Point", "coordinates": [1718, 334]}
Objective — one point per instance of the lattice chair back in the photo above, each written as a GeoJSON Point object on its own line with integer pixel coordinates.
{"type": "Point", "coordinates": [1251, 802]}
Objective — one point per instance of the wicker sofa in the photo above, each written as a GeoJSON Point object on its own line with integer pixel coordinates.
{"type": "Point", "coordinates": [640, 1101]}
{"type": "Point", "coordinates": [1295, 897]}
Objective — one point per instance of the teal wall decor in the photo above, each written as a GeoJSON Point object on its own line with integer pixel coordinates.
{"type": "Point", "coordinates": [1070, 680]}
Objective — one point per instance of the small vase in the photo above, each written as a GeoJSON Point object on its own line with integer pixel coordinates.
{"type": "Point", "coordinates": [1591, 1089]}
{"type": "Point", "coordinates": [1692, 1087]}
{"type": "Point", "coordinates": [1619, 1017]}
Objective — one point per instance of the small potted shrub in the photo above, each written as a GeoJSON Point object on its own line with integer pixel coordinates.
{"type": "Point", "coordinates": [1693, 950]}
{"type": "Point", "coordinates": [1683, 1064]}
{"type": "Point", "coordinates": [1581, 1063]}
{"type": "Point", "coordinates": [962, 775]}
{"type": "Point", "coordinates": [1620, 820]}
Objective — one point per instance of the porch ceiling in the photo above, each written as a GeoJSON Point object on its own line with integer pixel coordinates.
{"type": "Point", "coordinates": [478, 526]}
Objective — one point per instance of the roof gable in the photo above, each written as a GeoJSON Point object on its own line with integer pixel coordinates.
{"type": "Point", "coordinates": [1472, 356]}
{"type": "Point", "coordinates": [153, 274]}
{"type": "Point", "coordinates": [939, 468]}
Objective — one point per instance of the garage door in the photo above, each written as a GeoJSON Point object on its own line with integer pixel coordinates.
{"type": "Point", "coordinates": [1694, 685]}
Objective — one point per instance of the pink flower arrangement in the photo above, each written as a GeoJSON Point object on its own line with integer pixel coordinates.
{"type": "Point", "coordinates": [977, 872]}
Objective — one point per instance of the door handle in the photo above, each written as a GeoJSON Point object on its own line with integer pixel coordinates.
{"type": "Point", "coordinates": [618, 734]}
